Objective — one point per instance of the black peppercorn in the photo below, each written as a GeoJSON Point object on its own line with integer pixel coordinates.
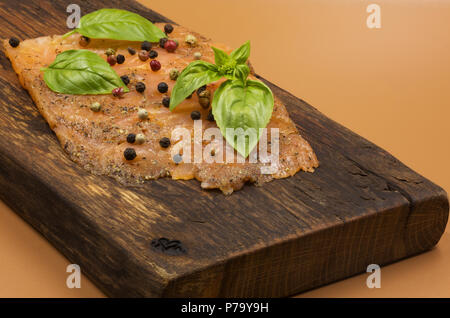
{"type": "Point", "coordinates": [140, 87]}
{"type": "Point", "coordinates": [131, 138]}
{"type": "Point", "coordinates": [166, 101]}
{"type": "Point", "coordinates": [195, 115]}
{"type": "Point", "coordinates": [153, 54]}
{"type": "Point", "coordinates": [129, 154]}
{"type": "Point", "coordinates": [210, 116]}
{"type": "Point", "coordinates": [120, 59]}
{"type": "Point", "coordinates": [131, 51]}
{"type": "Point", "coordinates": [163, 87]}
{"type": "Point", "coordinates": [164, 142]}
{"type": "Point", "coordinates": [125, 79]}
{"type": "Point", "coordinates": [14, 42]}
{"type": "Point", "coordinates": [146, 46]}
{"type": "Point", "coordinates": [162, 42]}
{"type": "Point", "coordinates": [168, 28]}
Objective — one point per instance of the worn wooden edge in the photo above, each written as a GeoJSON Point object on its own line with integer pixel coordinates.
{"type": "Point", "coordinates": [56, 215]}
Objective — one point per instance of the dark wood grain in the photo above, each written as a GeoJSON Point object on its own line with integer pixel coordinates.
{"type": "Point", "coordinates": [361, 206]}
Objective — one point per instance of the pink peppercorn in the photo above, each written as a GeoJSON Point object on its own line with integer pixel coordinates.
{"type": "Point", "coordinates": [170, 46]}
{"type": "Point", "coordinates": [111, 60]}
{"type": "Point", "coordinates": [155, 65]}
{"type": "Point", "coordinates": [118, 91]}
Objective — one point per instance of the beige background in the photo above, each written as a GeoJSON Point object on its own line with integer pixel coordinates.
{"type": "Point", "coordinates": [390, 85]}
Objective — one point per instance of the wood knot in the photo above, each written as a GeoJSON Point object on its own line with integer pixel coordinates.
{"type": "Point", "coordinates": [170, 247]}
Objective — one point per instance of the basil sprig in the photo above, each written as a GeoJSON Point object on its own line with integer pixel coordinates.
{"type": "Point", "coordinates": [81, 72]}
{"type": "Point", "coordinates": [117, 25]}
{"type": "Point", "coordinates": [241, 107]}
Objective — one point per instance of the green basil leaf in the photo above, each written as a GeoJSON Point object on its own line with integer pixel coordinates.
{"type": "Point", "coordinates": [118, 25]}
{"type": "Point", "coordinates": [81, 72]}
{"type": "Point", "coordinates": [195, 75]}
{"type": "Point", "coordinates": [245, 107]}
{"type": "Point", "coordinates": [220, 57]}
{"type": "Point", "coordinates": [241, 72]}
{"type": "Point", "coordinates": [241, 54]}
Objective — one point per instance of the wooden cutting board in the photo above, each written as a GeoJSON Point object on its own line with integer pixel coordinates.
{"type": "Point", "coordinates": [361, 206]}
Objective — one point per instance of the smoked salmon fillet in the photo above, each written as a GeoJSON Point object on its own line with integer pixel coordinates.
{"type": "Point", "coordinates": [97, 140]}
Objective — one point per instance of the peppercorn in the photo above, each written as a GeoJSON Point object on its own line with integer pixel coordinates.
{"type": "Point", "coordinates": [162, 42]}
{"type": "Point", "coordinates": [143, 55]}
{"type": "Point", "coordinates": [177, 158]}
{"type": "Point", "coordinates": [166, 101]}
{"type": "Point", "coordinates": [205, 93]}
{"type": "Point", "coordinates": [201, 89]}
{"type": "Point", "coordinates": [131, 138]}
{"type": "Point", "coordinates": [95, 107]}
{"type": "Point", "coordinates": [131, 51]}
{"type": "Point", "coordinates": [140, 87]}
{"type": "Point", "coordinates": [153, 54]}
{"type": "Point", "coordinates": [204, 102]}
{"type": "Point", "coordinates": [195, 115]}
{"type": "Point", "coordinates": [197, 55]}
{"type": "Point", "coordinates": [118, 91]}
{"type": "Point", "coordinates": [146, 46]}
{"type": "Point", "coordinates": [110, 51]}
{"type": "Point", "coordinates": [210, 116]}
{"type": "Point", "coordinates": [84, 40]}
{"type": "Point", "coordinates": [129, 154]}
{"type": "Point", "coordinates": [142, 114]}
{"type": "Point", "coordinates": [170, 46]}
{"type": "Point", "coordinates": [125, 79]}
{"type": "Point", "coordinates": [14, 42]}
{"type": "Point", "coordinates": [168, 28]}
{"type": "Point", "coordinates": [190, 96]}
{"type": "Point", "coordinates": [155, 65]}
{"type": "Point", "coordinates": [120, 59]}
{"type": "Point", "coordinates": [191, 40]}
{"type": "Point", "coordinates": [111, 60]}
{"type": "Point", "coordinates": [173, 74]}
{"type": "Point", "coordinates": [140, 139]}
{"type": "Point", "coordinates": [164, 142]}
{"type": "Point", "coordinates": [163, 87]}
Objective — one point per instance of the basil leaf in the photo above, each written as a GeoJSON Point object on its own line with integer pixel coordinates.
{"type": "Point", "coordinates": [241, 72]}
{"type": "Point", "coordinates": [81, 72]}
{"type": "Point", "coordinates": [118, 25]}
{"type": "Point", "coordinates": [220, 57]}
{"type": "Point", "coordinates": [242, 105]}
{"type": "Point", "coordinates": [241, 54]}
{"type": "Point", "coordinates": [195, 75]}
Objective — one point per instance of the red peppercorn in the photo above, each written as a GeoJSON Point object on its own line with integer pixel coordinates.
{"type": "Point", "coordinates": [155, 65]}
{"type": "Point", "coordinates": [118, 91]}
{"type": "Point", "coordinates": [170, 46]}
{"type": "Point", "coordinates": [111, 60]}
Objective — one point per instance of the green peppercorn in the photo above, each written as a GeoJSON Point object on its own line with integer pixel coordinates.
{"type": "Point", "coordinates": [191, 40]}
{"type": "Point", "coordinates": [204, 102]}
{"type": "Point", "coordinates": [95, 107]}
{"type": "Point", "coordinates": [174, 73]}
{"type": "Point", "coordinates": [110, 51]}
{"type": "Point", "coordinates": [140, 139]}
{"type": "Point", "coordinates": [197, 55]}
{"type": "Point", "coordinates": [205, 93]}
{"type": "Point", "coordinates": [142, 114]}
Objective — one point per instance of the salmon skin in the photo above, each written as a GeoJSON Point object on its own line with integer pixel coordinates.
{"type": "Point", "coordinates": [97, 140]}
